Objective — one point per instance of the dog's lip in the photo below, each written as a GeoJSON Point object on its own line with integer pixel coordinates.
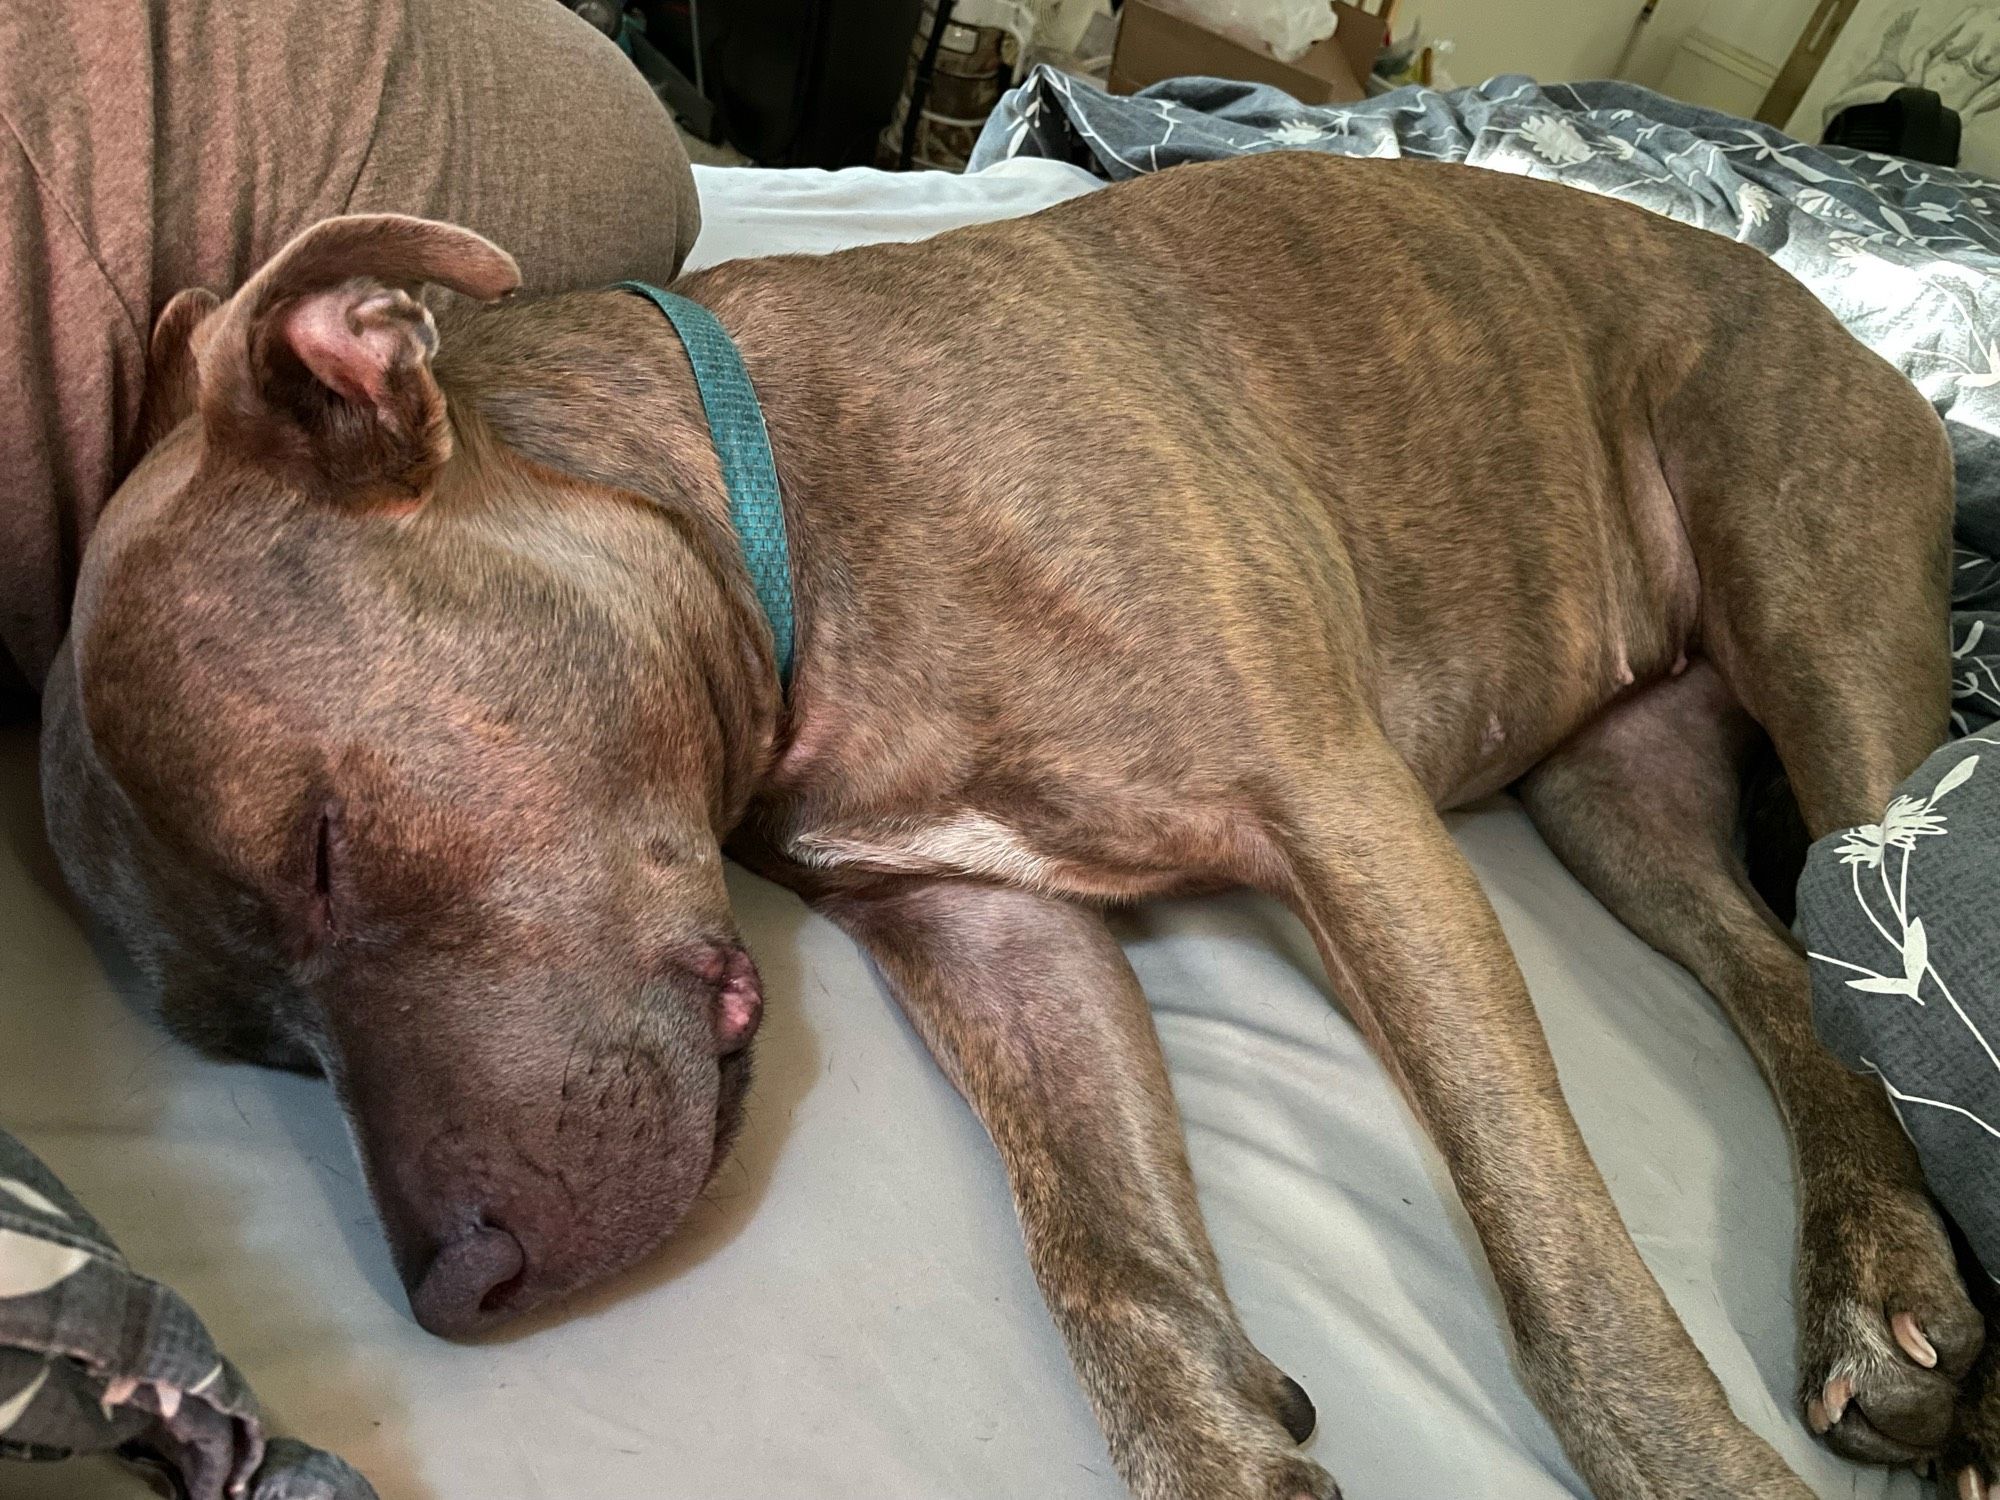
{"type": "Point", "coordinates": [732, 1088]}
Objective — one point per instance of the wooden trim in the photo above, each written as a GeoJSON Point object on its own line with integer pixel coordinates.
{"type": "Point", "coordinates": [1804, 64]}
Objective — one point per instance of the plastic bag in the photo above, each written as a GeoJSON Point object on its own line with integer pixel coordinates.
{"type": "Point", "coordinates": [1286, 28]}
{"type": "Point", "coordinates": [1415, 57]}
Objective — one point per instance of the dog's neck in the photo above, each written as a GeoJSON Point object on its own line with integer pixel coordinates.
{"type": "Point", "coordinates": [598, 386]}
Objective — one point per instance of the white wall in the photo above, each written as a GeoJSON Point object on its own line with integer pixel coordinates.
{"type": "Point", "coordinates": [1766, 29]}
{"type": "Point", "coordinates": [1560, 40]}
{"type": "Point", "coordinates": [1553, 40]}
{"type": "Point", "coordinates": [1732, 56]}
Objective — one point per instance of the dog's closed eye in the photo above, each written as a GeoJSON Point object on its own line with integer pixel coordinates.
{"type": "Point", "coordinates": [323, 860]}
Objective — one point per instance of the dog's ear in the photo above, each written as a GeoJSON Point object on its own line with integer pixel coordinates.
{"type": "Point", "coordinates": [171, 384]}
{"type": "Point", "coordinates": [320, 367]}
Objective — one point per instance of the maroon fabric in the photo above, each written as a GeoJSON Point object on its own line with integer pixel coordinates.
{"type": "Point", "coordinates": [147, 147]}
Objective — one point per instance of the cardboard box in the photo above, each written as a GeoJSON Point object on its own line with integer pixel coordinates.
{"type": "Point", "coordinates": [1155, 44]}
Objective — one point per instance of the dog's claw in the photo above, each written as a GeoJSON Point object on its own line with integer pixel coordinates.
{"type": "Point", "coordinates": [1970, 1485]}
{"type": "Point", "coordinates": [1824, 1411]}
{"type": "Point", "coordinates": [1912, 1339]}
{"type": "Point", "coordinates": [1295, 1409]}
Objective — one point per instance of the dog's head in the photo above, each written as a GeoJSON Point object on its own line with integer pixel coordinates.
{"type": "Point", "coordinates": [390, 753]}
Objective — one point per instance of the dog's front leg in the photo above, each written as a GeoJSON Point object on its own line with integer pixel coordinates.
{"type": "Point", "coordinates": [1029, 1006]}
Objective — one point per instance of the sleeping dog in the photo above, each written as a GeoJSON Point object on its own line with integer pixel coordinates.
{"type": "Point", "coordinates": [419, 680]}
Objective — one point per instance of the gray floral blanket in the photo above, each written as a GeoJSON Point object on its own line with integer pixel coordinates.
{"type": "Point", "coordinates": [1902, 918]}
{"type": "Point", "coordinates": [97, 1358]}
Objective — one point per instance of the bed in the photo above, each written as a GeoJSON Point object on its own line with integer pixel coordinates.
{"type": "Point", "coordinates": [849, 1313]}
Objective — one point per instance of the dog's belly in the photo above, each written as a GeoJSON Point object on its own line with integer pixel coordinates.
{"type": "Point", "coordinates": [1509, 745]}
{"type": "Point", "coordinates": [1466, 737]}
{"type": "Point", "coordinates": [1498, 674]}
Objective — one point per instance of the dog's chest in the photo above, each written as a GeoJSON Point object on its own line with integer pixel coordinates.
{"type": "Point", "coordinates": [963, 843]}
{"type": "Point", "coordinates": [1123, 859]}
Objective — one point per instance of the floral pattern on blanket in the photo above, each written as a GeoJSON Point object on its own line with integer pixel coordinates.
{"type": "Point", "coordinates": [1902, 917]}
{"type": "Point", "coordinates": [96, 1358]}
{"type": "Point", "coordinates": [1901, 933]}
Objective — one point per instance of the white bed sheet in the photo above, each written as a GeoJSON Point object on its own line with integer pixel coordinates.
{"type": "Point", "coordinates": [851, 1315]}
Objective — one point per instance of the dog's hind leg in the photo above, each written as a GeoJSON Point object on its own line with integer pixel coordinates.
{"type": "Point", "coordinates": [1641, 806]}
{"type": "Point", "coordinates": [1824, 589]}
{"type": "Point", "coordinates": [1413, 946]}
{"type": "Point", "coordinates": [1824, 568]}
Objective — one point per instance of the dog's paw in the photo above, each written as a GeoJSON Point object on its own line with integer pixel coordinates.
{"type": "Point", "coordinates": [1308, 1481]}
{"type": "Point", "coordinates": [1299, 1479]}
{"type": "Point", "coordinates": [1886, 1330]}
{"type": "Point", "coordinates": [1273, 1477]}
{"type": "Point", "coordinates": [1258, 1469]}
{"type": "Point", "coordinates": [1969, 1468]}
{"type": "Point", "coordinates": [1242, 1445]}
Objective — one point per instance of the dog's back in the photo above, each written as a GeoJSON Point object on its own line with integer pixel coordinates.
{"type": "Point", "coordinates": [1386, 417]}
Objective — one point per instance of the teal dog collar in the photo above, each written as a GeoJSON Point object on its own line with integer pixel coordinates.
{"type": "Point", "coordinates": [749, 472]}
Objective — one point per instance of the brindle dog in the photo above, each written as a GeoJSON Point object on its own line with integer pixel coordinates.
{"type": "Point", "coordinates": [410, 703]}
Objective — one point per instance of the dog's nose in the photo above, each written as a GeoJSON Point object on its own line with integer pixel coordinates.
{"type": "Point", "coordinates": [469, 1282]}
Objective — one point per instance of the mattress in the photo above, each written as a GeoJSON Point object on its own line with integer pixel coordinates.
{"type": "Point", "coordinates": [849, 1313]}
